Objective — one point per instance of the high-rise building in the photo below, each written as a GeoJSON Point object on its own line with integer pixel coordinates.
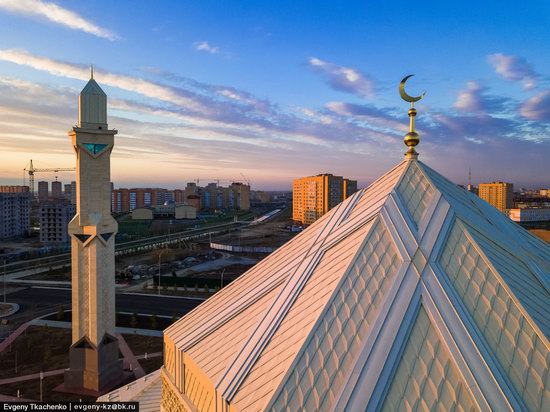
{"type": "Point", "coordinates": [15, 205]}
{"type": "Point", "coordinates": [54, 216]}
{"type": "Point", "coordinates": [239, 196]}
{"type": "Point", "coordinates": [179, 196]}
{"type": "Point", "coordinates": [73, 193]}
{"type": "Point", "coordinates": [497, 194]}
{"type": "Point", "coordinates": [70, 192]}
{"type": "Point", "coordinates": [313, 196]}
{"type": "Point", "coordinates": [57, 190]}
{"type": "Point", "coordinates": [350, 187]}
{"type": "Point", "coordinates": [43, 191]}
{"type": "Point", "coordinates": [94, 363]}
{"type": "Point", "coordinates": [191, 189]}
{"type": "Point", "coordinates": [67, 191]}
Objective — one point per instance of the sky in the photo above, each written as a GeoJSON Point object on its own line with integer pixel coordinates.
{"type": "Point", "coordinates": [269, 91]}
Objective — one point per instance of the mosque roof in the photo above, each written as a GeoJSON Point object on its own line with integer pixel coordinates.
{"type": "Point", "coordinates": [412, 293]}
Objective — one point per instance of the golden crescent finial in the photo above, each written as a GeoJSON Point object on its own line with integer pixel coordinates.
{"type": "Point", "coordinates": [412, 138]}
{"type": "Point", "coordinates": [404, 94]}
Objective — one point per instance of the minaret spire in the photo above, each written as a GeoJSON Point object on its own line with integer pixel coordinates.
{"type": "Point", "coordinates": [412, 138]}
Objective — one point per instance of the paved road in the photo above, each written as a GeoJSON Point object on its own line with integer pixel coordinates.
{"type": "Point", "coordinates": [36, 301]}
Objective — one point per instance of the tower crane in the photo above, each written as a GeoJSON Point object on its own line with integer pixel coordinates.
{"type": "Point", "coordinates": [31, 170]}
{"type": "Point", "coordinates": [245, 179]}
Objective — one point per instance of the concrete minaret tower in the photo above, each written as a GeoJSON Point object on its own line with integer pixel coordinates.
{"type": "Point", "coordinates": [94, 360]}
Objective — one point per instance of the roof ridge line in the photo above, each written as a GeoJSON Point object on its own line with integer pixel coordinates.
{"type": "Point", "coordinates": [253, 346]}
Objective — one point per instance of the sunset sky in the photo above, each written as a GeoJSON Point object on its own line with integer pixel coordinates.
{"type": "Point", "coordinates": [274, 90]}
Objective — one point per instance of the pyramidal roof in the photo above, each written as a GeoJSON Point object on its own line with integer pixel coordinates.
{"type": "Point", "coordinates": [92, 106]}
{"type": "Point", "coordinates": [413, 294]}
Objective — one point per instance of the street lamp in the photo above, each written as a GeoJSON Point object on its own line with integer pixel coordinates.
{"type": "Point", "coordinates": [221, 280]}
{"type": "Point", "coordinates": [160, 254]}
{"type": "Point", "coordinates": [4, 281]}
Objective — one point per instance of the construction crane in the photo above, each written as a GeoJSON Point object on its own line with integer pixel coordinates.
{"type": "Point", "coordinates": [245, 179]}
{"type": "Point", "coordinates": [31, 170]}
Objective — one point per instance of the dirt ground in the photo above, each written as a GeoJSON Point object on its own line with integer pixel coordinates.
{"type": "Point", "coordinates": [541, 233]}
{"type": "Point", "coordinates": [274, 233]}
{"type": "Point", "coordinates": [39, 349]}
{"type": "Point", "coordinates": [140, 344]}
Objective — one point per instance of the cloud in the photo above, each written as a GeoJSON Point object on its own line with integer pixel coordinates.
{"type": "Point", "coordinates": [515, 69]}
{"type": "Point", "coordinates": [81, 72]}
{"type": "Point", "coordinates": [56, 14]}
{"type": "Point", "coordinates": [185, 129]}
{"type": "Point", "coordinates": [537, 107]}
{"type": "Point", "coordinates": [474, 99]}
{"type": "Point", "coordinates": [206, 47]}
{"type": "Point", "coordinates": [344, 79]}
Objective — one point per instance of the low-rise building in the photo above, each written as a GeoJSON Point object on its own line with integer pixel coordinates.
{"type": "Point", "coordinates": [170, 210]}
{"type": "Point", "coordinates": [530, 214]}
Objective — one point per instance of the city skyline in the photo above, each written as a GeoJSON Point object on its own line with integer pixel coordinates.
{"type": "Point", "coordinates": [211, 91]}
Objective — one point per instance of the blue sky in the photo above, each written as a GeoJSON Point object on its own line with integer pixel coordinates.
{"type": "Point", "coordinates": [277, 90]}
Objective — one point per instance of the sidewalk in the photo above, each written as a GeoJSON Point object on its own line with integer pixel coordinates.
{"type": "Point", "coordinates": [150, 355]}
{"type": "Point", "coordinates": [11, 338]}
{"type": "Point", "coordinates": [129, 357]}
{"type": "Point", "coordinates": [31, 376]}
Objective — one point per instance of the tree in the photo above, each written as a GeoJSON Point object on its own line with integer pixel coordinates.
{"type": "Point", "coordinates": [154, 322]}
{"type": "Point", "coordinates": [174, 318]}
{"type": "Point", "coordinates": [134, 321]}
{"type": "Point", "coordinates": [47, 353]}
{"type": "Point", "coordinates": [60, 314]}
{"type": "Point", "coordinates": [196, 288]}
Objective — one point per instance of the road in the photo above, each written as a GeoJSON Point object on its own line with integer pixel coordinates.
{"type": "Point", "coordinates": [37, 301]}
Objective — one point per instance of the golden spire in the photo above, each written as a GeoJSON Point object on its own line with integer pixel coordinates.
{"type": "Point", "coordinates": [91, 71]}
{"type": "Point", "coordinates": [412, 138]}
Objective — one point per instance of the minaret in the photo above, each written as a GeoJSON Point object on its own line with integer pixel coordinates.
{"type": "Point", "coordinates": [94, 359]}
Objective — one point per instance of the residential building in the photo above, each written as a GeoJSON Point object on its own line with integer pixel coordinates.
{"type": "Point", "coordinates": [15, 206]}
{"type": "Point", "coordinates": [313, 196]}
{"type": "Point", "coordinates": [194, 201]}
{"type": "Point", "coordinates": [43, 191]}
{"type": "Point", "coordinates": [73, 193]}
{"type": "Point", "coordinates": [498, 194]}
{"type": "Point", "coordinates": [54, 216]}
{"type": "Point", "coordinates": [212, 197]}
{"type": "Point", "coordinates": [259, 196]}
{"type": "Point", "coordinates": [350, 187]}
{"type": "Point", "coordinates": [57, 190]}
{"type": "Point", "coordinates": [529, 214]}
{"type": "Point", "coordinates": [238, 196]}
{"type": "Point", "coordinates": [179, 196]}
{"type": "Point", "coordinates": [191, 190]}
{"type": "Point", "coordinates": [126, 200]}
{"type": "Point", "coordinates": [67, 191]}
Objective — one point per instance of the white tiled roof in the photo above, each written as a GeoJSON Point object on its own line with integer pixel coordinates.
{"type": "Point", "coordinates": [411, 295]}
{"type": "Point", "coordinates": [147, 391]}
